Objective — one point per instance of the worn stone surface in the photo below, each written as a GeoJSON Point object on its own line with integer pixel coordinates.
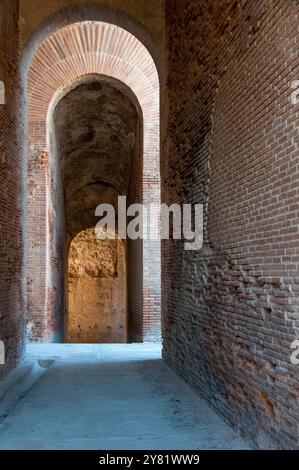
{"type": "Point", "coordinates": [231, 310]}
{"type": "Point", "coordinates": [127, 397]}
{"type": "Point", "coordinates": [97, 290]}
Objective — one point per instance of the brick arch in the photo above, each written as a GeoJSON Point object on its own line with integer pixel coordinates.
{"type": "Point", "coordinates": [88, 48]}
{"type": "Point", "coordinates": [65, 55]}
{"type": "Point", "coordinates": [91, 48]}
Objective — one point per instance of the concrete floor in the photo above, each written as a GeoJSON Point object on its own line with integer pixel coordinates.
{"type": "Point", "coordinates": [109, 397]}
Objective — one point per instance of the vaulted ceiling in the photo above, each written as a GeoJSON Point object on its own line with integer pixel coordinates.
{"type": "Point", "coordinates": [95, 128]}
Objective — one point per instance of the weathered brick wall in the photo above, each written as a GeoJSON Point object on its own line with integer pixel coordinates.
{"type": "Point", "coordinates": [11, 213]}
{"type": "Point", "coordinates": [135, 247]}
{"type": "Point", "coordinates": [230, 311]}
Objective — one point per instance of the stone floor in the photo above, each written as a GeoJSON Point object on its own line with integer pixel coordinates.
{"type": "Point", "coordinates": [110, 397]}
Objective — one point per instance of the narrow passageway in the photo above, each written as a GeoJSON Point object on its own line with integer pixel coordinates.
{"type": "Point", "coordinates": [149, 193]}
{"type": "Point", "coordinates": [111, 397]}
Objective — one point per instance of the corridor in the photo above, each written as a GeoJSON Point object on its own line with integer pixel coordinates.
{"type": "Point", "coordinates": [109, 397]}
{"type": "Point", "coordinates": [149, 177]}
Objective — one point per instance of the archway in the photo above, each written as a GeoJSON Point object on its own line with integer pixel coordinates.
{"type": "Point", "coordinates": [65, 56]}
{"type": "Point", "coordinates": [95, 131]}
{"type": "Point", "coordinates": [97, 290]}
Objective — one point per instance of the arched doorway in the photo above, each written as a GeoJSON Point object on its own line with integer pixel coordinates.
{"type": "Point", "coordinates": [71, 52]}
{"type": "Point", "coordinates": [95, 132]}
{"type": "Point", "coordinates": [97, 290]}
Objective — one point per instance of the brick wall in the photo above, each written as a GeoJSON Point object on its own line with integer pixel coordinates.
{"type": "Point", "coordinates": [230, 311]}
{"type": "Point", "coordinates": [11, 196]}
{"type": "Point", "coordinates": [135, 247]}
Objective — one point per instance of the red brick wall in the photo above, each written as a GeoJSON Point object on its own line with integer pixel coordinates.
{"type": "Point", "coordinates": [12, 311]}
{"type": "Point", "coordinates": [135, 247]}
{"type": "Point", "coordinates": [144, 256]}
{"type": "Point", "coordinates": [231, 310]}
